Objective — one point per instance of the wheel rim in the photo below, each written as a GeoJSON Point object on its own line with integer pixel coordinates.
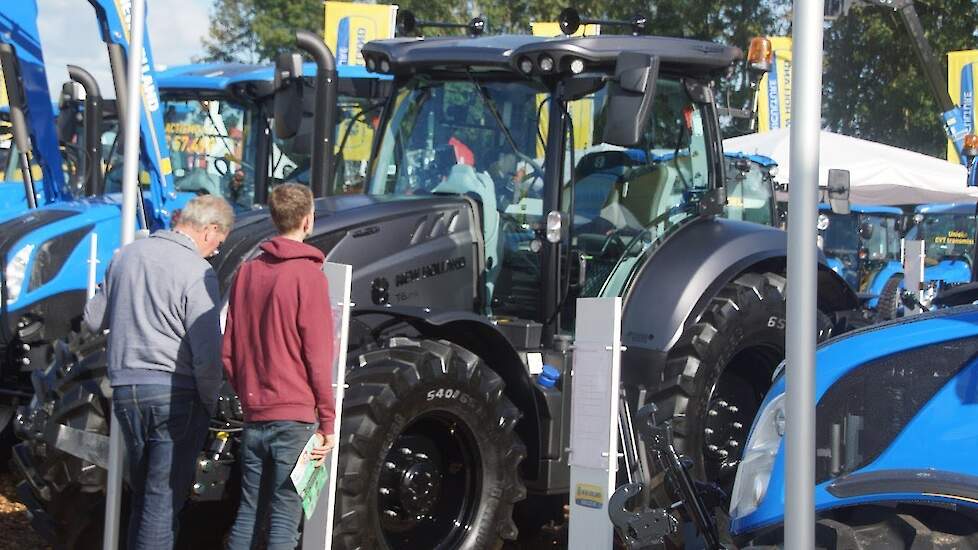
{"type": "Point", "coordinates": [429, 485]}
{"type": "Point", "coordinates": [733, 403]}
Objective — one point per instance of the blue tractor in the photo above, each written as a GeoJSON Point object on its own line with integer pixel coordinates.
{"type": "Point", "coordinates": [864, 248]}
{"type": "Point", "coordinates": [948, 231]}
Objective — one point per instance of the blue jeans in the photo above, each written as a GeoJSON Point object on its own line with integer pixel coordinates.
{"type": "Point", "coordinates": [164, 430]}
{"type": "Point", "coordinates": [269, 451]}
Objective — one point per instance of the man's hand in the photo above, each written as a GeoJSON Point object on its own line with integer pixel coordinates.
{"type": "Point", "coordinates": [323, 446]}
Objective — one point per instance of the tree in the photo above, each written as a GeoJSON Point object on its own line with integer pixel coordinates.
{"type": "Point", "coordinates": [874, 87]}
{"type": "Point", "coordinates": [256, 30]}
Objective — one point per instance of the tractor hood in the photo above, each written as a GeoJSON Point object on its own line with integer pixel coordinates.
{"type": "Point", "coordinates": [404, 250]}
{"type": "Point", "coordinates": [884, 395]}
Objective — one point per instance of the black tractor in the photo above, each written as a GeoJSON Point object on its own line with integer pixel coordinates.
{"type": "Point", "coordinates": [510, 176]}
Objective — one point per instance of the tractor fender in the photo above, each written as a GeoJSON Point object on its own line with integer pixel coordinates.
{"type": "Point", "coordinates": [475, 333]}
{"type": "Point", "coordinates": [681, 276]}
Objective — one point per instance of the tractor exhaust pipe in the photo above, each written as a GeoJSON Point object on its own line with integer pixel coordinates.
{"type": "Point", "coordinates": [324, 123]}
{"type": "Point", "coordinates": [92, 128]}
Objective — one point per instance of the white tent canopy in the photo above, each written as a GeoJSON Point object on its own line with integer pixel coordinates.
{"type": "Point", "coordinates": [880, 174]}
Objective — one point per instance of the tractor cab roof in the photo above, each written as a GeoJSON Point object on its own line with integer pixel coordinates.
{"type": "Point", "coordinates": [405, 56]}
{"type": "Point", "coordinates": [870, 209]}
{"type": "Point", "coordinates": [965, 208]}
{"type": "Point", "coordinates": [223, 77]}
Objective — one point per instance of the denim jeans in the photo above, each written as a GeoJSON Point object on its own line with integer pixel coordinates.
{"type": "Point", "coordinates": [164, 430]}
{"type": "Point", "coordinates": [269, 451]}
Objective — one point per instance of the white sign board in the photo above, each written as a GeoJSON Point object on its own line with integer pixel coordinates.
{"type": "Point", "coordinates": [318, 531]}
{"type": "Point", "coordinates": [594, 422]}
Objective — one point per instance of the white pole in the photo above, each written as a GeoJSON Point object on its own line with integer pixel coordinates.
{"type": "Point", "coordinates": [806, 109]}
{"type": "Point", "coordinates": [92, 264]}
{"type": "Point", "coordinates": [130, 194]}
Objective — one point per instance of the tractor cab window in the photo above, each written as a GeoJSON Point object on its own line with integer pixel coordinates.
{"type": "Point", "coordinates": [480, 140]}
{"type": "Point", "coordinates": [625, 199]}
{"type": "Point", "coordinates": [356, 122]}
{"type": "Point", "coordinates": [946, 237]}
{"type": "Point", "coordinates": [750, 195]}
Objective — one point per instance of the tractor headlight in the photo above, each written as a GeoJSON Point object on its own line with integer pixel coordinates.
{"type": "Point", "coordinates": [754, 471]}
{"type": "Point", "coordinates": [16, 272]}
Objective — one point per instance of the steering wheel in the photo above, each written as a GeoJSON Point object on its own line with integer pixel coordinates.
{"type": "Point", "coordinates": [613, 237]}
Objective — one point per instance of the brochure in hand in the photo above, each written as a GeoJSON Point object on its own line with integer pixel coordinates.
{"type": "Point", "coordinates": [309, 480]}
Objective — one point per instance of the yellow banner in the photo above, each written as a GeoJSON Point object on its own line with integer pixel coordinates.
{"type": "Point", "coordinates": [581, 110]}
{"type": "Point", "coordinates": [774, 90]}
{"type": "Point", "coordinates": [962, 70]}
{"type": "Point", "coordinates": [351, 25]}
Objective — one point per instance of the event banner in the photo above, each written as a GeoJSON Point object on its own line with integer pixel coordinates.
{"type": "Point", "coordinates": [351, 25]}
{"type": "Point", "coordinates": [961, 69]}
{"type": "Point", "coordinates": [774, 89]}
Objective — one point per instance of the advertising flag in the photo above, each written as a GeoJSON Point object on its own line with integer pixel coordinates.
{"type": "Point", "coordinates": [961, 68]}
{"type": "Point", "coordinates": [774, 89]}
{"type": "Point", "coordinates": [351, 25]}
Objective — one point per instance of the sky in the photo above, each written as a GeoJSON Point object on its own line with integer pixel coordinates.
{"type": "Point", "coordinates": [70, 35]}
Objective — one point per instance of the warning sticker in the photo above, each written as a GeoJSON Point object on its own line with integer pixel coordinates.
{"type": "Point", "coordinates": [588, 495]}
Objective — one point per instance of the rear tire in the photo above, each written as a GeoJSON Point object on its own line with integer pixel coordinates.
{"type": "Point", "coordinates": [428, 456]}
{"type": "Point", "coordinates": [719, 371]}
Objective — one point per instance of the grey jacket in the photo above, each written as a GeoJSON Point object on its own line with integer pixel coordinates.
{"type": "Point", "coordinates": [160, 301]}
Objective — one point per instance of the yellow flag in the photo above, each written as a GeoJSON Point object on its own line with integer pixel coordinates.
{"type": "Point", "coordinates": [774, 90]}
{"type": "Point", "coordinates": [961, 69]}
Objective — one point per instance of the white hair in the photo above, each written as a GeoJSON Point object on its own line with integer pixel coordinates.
{"type": "Point", "coordinates": [205, 210]}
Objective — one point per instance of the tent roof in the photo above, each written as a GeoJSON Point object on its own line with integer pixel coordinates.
{"type": "Point", "coordinates": [880, 174]}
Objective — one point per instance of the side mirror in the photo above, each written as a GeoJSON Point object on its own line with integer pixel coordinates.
{"type": "Point", "coordinates": [288, 95]}
{"type": "Point", "coordinates": [630, 98]}
{"type": "Point", "coordinates": [838, 190]}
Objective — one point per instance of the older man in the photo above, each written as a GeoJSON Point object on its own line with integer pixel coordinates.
{"type": "Point", "coordinates": [161, 301]}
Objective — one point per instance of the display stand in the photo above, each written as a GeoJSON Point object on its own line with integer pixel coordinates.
{"type": "Point", "coordinates": [318, 531]}
{"type": "Point", "coordinates": [594, 422]}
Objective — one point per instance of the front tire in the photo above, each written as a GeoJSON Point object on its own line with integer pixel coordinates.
{"type": "Point", "coordinates": [889, 304]}
{"type": "Point", "coordinates": [428, 455]}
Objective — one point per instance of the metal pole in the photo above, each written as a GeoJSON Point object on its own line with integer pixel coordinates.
{"type": "Point", "coordinates": [806, 117]}
{"type": "Point", "coordinates": [130, 195]}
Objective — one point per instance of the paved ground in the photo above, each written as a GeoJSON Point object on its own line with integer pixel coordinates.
{"type": "Point", "coordinates": [15, 531]}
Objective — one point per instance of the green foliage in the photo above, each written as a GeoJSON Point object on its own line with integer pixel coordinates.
{"type": "Point", "coordinates": [257, 30]}
{"type": "Point", "coordinates": [874, 86]}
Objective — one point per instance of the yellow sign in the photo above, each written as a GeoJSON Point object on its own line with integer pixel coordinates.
{"type": "Point", "coordinates": [589, 496]}
{"type": "Point", "coordinates": [552, 28]}
{"type": "Point", "coordinates": [961, 80]}
{"type": "Point", "coordinates": [351, 25]}
{"type": "Point", "coordinates": [358, 133]}
{"type": "Point", "coordinates": [774, 90]}
{"type": "Point", "coordinates": [581, 110]}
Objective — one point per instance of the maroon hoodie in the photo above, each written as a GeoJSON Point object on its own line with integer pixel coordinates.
{"type": "Point", "coordinates": [278, 341]}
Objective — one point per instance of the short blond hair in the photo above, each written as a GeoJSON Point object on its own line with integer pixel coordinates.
{"type": "Point", "coordinates": [289, 204]}
{"type": "Point", "coordinates": [205, 210]}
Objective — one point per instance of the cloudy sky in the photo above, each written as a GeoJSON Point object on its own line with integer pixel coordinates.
{"type": "Point", "coordinates": [70, 34]}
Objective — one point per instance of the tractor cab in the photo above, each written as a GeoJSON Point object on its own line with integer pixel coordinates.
{"type": "Point", "coordinates": [948, 232]}
{"type": "Point", "coordinates": [863, 247]}
{"type": "Point", "coordinates": [565, 141]}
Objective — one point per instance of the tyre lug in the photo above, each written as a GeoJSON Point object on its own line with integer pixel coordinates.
{"type": "Point", "coordinates": [390, 513]}
{"type": "Point", "coordinates": [385, 491]}
{"type": "Point", "coordinates": [737, 425]}
{"type": "Point", "coordinates": [722, 404]}
{"type": "Point", "coordinates": [733, 444]}
{"type": "Point", "coordinates": [712, 448]}
{"type": "Point", "coordinates": [733, 409]}
{"type": "Point", "coordinates": [421, 456]}
{"type": "Point", "coordinates": [712, 412]}
{"type": "Point", "coordinates": [722, 453]}
{"type": "Point", "coordinates": [390, 465]}
{"type": "Point", "coordinates": [708, 431]}
{"type": "Point", "coordinates": [405, 451]}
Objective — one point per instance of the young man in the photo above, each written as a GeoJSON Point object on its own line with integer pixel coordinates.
{"type": "Point", "coordinates": [160, 300]}
{"type": "Point", "coordinates": [278, 356]}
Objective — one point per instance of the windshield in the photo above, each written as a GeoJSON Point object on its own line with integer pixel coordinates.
{"type": "Point", "coordinates": [356, 121]}
{"type": "Point", "coordinates": [859, 245]}
{"type": "Point", "coordinates": [947, 236]}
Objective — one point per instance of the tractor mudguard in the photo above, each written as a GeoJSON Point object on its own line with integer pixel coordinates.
{"type": "Point", "coordinates": [475, 333]}
{"type": "Point", "coordinates": [678, 280]}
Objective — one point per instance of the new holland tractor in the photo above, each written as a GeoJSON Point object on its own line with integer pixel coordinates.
{"type": "Point", "coordinates": [865, 248]}
{"type": "Point", "coordinates": [948, 232]}
{"type": "Point", "coordinates": [510, 175]}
